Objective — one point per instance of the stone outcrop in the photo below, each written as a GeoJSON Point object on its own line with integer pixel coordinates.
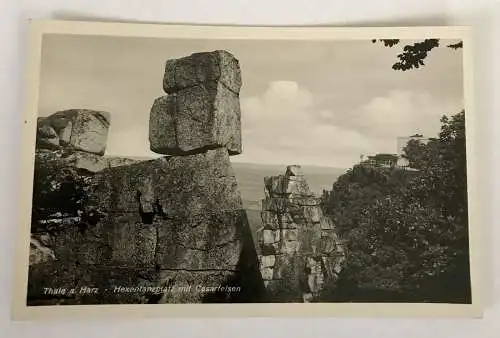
{"type": "Point", "coordinates": [168, 230]}
{"type": "Point", "coordinates": [172, 222]}
{"type": "Point", "coordinates": [300, 252]}
{"type": "Point", "coordinates": [78, 129]}
{"type": "Point", "coordinates": [202, 108]}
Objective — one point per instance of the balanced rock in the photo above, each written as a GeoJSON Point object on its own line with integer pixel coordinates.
{"type": "Point", "coordinates": [300, 251]}
{"type": "Point", "coordinates": [78, 129]}
{"type": "Point", "coordinates": [202, 110]}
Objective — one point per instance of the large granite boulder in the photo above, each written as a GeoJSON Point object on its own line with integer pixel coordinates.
{"type": "Point", "coordinates": [202, 110]}
{"type": "Point", "coordinates": [300, 252]}
{"type": "Point", "coordinates": [78, 129]}
{"type": "Point", "coordinates": [165, 224]}
{"type": "Point", "coordinates": [199, 68]}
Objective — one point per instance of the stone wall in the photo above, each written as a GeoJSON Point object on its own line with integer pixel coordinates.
{"type": "Point", "coordinates": [300, 250]}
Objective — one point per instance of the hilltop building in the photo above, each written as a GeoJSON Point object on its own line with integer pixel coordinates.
{"type": "Point", "coordinates": [382, 160]}
{"type": "Point", "coordinates": [397, 160]}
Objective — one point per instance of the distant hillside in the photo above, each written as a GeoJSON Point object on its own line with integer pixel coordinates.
{"type": "Point", "coordinates": [250, 177]}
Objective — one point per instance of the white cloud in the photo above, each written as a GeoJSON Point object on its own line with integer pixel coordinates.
{"type": "Point", "coordinates": [403, 112]}
{"type": "Point", "coordinates": [281, 127]}
{"type": "Point", "coordinates": [284, 126]}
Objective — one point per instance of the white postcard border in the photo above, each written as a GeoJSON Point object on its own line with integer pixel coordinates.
{"type": "Point", "coordinates": [37, 28]}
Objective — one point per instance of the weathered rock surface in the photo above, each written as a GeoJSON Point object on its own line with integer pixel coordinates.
{"type": "Point", "coordinates": [300, 250]}
{"type": "Point", "coordinates": [202, 110]}
{"type": "Point", "coordinates": [217, 66]}
{"type": "Point", "coordinates": [78, 129]}
{"type": "Point", "coordinates": [178, 220]}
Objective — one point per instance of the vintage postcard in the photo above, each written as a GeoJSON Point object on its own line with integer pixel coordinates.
{"type": "Point", "coordinates": [247, 171]}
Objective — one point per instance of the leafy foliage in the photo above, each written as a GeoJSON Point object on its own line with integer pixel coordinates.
{"type": "Point", "coordinates": [58, 191]}
{"type": "Point", "coordinates": [406, 234]}
{"type": "Point", "coordinates": [413, 55]}
{"type": "Point", "coordinates": [388, 42]}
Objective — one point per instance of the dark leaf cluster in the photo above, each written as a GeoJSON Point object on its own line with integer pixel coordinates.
{"type": "Point", "coordinates": [413, 55]}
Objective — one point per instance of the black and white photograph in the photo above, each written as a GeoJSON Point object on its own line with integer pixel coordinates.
{"type": "Point", "coordinates": [191, 170]}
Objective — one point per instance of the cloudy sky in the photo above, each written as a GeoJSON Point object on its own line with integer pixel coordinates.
{"type": "Point", "coordinates": [303, 102]}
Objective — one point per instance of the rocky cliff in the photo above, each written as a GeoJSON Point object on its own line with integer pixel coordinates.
{"type": "Point", "coordinates": [169, 230]}
{"type": "Point", "coordinates": [300, 252]}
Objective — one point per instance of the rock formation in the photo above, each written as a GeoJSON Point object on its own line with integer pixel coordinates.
{"type": "Point", "coordinates": [169, 230]}
{"type": "Point", "coordinates": [300, 252]}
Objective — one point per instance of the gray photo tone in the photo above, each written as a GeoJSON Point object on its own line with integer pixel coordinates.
{"type": "Point", "coordinates": [209, 171]}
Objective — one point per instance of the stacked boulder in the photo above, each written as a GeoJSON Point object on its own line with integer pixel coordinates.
{"type": "Point", "coordinates": [202, 108]}
{"type": "Point", "coordinates": [173, 229]}
{"type": "Point", "coordinates": [300, 252]}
